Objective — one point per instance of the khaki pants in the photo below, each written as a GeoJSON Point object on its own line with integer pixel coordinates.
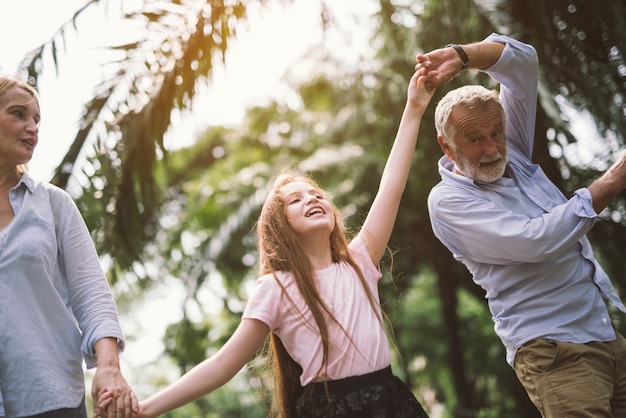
{"type": "Point", "coordinates": [574, 380]}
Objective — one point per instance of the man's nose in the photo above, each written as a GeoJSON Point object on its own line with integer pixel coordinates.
{"type": "Point", "coordinates": [490, 147]}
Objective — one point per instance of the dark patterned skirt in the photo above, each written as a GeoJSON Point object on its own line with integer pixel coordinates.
{"type": "Point", "coordinates": [374, 395]}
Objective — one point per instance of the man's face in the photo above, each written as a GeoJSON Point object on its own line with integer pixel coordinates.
{"type": "Point", "coordinates": [478, 147]}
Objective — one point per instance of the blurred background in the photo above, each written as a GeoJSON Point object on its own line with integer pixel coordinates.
{"type": "Point", "coordinates": [166, 121]}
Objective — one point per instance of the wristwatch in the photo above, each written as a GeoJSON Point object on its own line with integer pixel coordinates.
{"type": "Point", "coordinates": [459, 50]}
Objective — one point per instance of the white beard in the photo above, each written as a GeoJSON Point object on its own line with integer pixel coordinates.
{"type": "Point", "coordinates": [475, 172]}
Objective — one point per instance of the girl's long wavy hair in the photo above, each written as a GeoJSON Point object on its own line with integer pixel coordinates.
{"type": "Point", "coordinates": [280, 250]}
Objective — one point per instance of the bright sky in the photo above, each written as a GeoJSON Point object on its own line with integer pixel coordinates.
{"type": "Point", "coordinates": [252, 73]}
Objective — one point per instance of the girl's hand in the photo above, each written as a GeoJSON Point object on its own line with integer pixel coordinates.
{"type": "Point", "coordinates": [105, 398]}
{"type": "Point", "coordinates": [421, 88]}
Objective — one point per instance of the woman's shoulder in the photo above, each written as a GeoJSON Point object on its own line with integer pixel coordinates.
{"type": "Point", "coordinates": [49, 195]}
{"type": "Point", "coordinates": [44, 188]}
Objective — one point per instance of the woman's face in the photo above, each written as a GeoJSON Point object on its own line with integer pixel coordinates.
{"type": "Point", "coordinates": [307, 208]}
{"type": "Point", "coordinates": [19, 127]}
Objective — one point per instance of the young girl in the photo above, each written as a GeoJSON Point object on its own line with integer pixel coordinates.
{"type": "Point", "coordinates": [317, 298]}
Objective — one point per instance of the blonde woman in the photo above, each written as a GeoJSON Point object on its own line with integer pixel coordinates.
{"type": "Point", "coordinates": [56, 309]}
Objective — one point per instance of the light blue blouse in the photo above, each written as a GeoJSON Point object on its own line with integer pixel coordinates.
{"type": "Point", "coordinates": [55, 302]}
{"type": "Point", "coordinates": [521, 239]}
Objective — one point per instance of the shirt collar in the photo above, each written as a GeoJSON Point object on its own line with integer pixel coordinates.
{"type": "Point", "coordinates": [27, 181]}
{"type": "Point", "coordinates": [446, 170]}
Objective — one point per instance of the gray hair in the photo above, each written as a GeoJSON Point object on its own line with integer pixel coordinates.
{"type": "Point", "coordinates": [471, 97]}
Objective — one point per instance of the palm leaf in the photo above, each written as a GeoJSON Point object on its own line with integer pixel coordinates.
{"type": "Point", "coordinates": [124, 125]}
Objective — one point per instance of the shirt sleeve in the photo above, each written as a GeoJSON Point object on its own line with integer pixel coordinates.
{"type": "Point", "coordinates": [265, 302]}
{"type": "Point", "coordinates": [517, 71]}
{"type": "Point", "coordinates": [503, 236]}
{"type": "Point", "coordinates": [88, 291]}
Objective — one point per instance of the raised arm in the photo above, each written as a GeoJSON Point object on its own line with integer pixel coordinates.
{"type": "Point", "coordinates": [510, 62]}
{"type": "Point", "coordinates": [379, 222]}
{"type": "Point", "coordinates": [448, 62]}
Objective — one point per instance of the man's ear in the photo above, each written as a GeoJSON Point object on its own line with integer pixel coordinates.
{"type": "Point", "coordinates": [445, 147]}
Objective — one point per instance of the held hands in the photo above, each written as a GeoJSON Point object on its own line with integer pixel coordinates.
{"type": "Point", "coordinates": [105, 399]}
{"type": "Point", "coordinates": [115, 398]}
{"type": "Point", "coordinates": [421, 88]}
{"type": "Point", "coordinates": [443, 62]}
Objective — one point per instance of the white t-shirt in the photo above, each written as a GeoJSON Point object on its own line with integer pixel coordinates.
{"type": "Point", "coordinates": [341, 290]}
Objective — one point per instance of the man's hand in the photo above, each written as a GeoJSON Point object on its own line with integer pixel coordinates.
{"type": "Point", "coordinates": [447, 64]}
{"type": "Point", "coordinates": [444, 63]}
{"type": "Point", "coordinates": [609, 185]}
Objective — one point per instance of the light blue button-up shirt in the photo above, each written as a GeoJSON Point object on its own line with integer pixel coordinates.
{"type": "Point", "coordinates": [521, 239]}
{"type": "Point", "coordinates": [55, 302]}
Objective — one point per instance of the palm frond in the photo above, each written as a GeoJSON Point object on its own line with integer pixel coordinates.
{"type": "Point", "coordinates": [31, 64]}
{"type": "Point", "coordinates": [124, 125]}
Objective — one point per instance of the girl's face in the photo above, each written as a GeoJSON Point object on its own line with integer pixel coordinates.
{"type": "Point", "coordinates": [307, 208]}
{"type": "Point", "coordinates": [19, 126]}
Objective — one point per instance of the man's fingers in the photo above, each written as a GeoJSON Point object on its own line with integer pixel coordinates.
{"type": "Point", "coordinates": [101, 403]}
{"type": "Point", "coordinates": [128, 405]}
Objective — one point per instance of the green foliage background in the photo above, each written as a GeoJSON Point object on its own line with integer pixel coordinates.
{"type": "Point", "coordinates": [189, 213]}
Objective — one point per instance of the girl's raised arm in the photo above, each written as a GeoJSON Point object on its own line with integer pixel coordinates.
{"type": "Point", "coordinates": [379, 222]}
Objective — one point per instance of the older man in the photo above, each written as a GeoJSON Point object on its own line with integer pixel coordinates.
{"type": "Point", "coordinates": [521, 239]}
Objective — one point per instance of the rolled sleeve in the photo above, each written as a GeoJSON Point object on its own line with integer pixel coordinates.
{"type": "Point", "coordinates": [105, 329]}
{"type": "Point", "coordinates": [583, 206]}
{"type": "Point", "coordinates": [85, 285]}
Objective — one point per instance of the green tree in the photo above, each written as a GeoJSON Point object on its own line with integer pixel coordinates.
{"type": "Point", "coordinates": [120, 137]}
{"type": "Point", "coordinates": [191, 212]}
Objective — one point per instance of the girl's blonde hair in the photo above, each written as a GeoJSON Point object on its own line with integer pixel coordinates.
{"type": "Point", "coordinates": [280, 250]}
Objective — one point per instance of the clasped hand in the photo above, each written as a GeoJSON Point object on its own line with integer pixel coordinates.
{"type": "Point", "coordinates": [113, 397]}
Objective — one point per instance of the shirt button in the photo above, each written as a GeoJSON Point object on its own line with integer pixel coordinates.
{"type": "Point", "coordinates": [605, 321]}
